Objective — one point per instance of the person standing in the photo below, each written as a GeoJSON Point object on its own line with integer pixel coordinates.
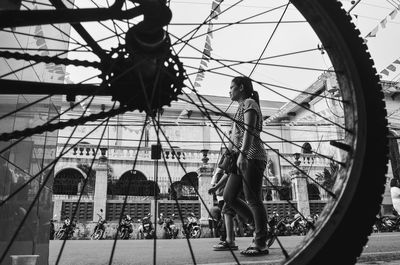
{"type": "Point", "coordinates": [251, 163]}
{"type": "Point", "coordinates": [395, 193]}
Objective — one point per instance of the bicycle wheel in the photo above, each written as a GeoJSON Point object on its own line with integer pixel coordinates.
{"type": "Point", "coordinates": [134, 65]}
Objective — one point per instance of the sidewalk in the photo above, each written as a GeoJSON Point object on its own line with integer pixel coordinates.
{"type": "Point", "coordinates": [392, 262]}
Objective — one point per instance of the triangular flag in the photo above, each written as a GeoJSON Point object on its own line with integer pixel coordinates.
{"type": "Point", "coordinates": [208, 40]}
{"type": "Point", "coordinates": [205, 58]}
{"type": "Point", "coordinates": [37, 29]}
{"type": "Point", "coordinates": [391, 68]}
{"type": "Point", "coordinates": [207, 46]}
{"type": "Point", "coordinates": [393, 14]}
{"type": "Point", "coordinates": [199, 78]}
{"type": "Point", "coordinates": [383, 23]}
{"type": "Point", "coordinates": [385, 72]}
{"type": "Point", "coordinates": [200, 75]}
{"type": "Point", "coordinates": [210, 30]}
{"type": "Point", "coordinates": [373, 32]}
{"type": "Point", "coordinates": [215, 6]}
{"type": "Point", "coordinates": [44, 50]}
{"type": "Point", "coordinates": [59, 69]}
{"type": "Point", "coordinates": [196, 84]}
{"type": "Point", "coordinates": [397, 61]}
{"type": "Point", "coordinates": [215, 10]}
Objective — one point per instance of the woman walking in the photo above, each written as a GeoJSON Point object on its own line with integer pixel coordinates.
{"type": "Point", "coordinates": [245, 139]}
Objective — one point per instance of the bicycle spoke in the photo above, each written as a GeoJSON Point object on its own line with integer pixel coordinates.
{"type": "Point", "coordinates": [268, 84]}
{"type": "Point", "coordinates": [280, 155]}
{"type": "Point", "coordinates": [127, 192]}
{"type": "Point", "coordinates": [318, 91]}
{"type": "Point", "coordinates": [269, 40]}
{"type": "Point", "coordinates": [83, 187]}
{"type": "Point", "coordinates": [15, 234]}
{"type": "Point", "coordinates": [226, 26]}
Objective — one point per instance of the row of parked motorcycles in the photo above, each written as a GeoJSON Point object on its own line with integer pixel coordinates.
{"type": "Point", "coordinates": [286, 226]}
{"type": "Point", "coordinates": [190, 228]}
{"type": "Point", "coordinates": [387, 223]}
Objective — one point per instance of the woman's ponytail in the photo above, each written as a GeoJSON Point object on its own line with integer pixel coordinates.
{"type": "Point", "coordinates": [256, 97]}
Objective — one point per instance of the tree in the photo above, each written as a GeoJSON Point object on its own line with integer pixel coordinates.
{"type": "Point", "coordinates": [328, 176]}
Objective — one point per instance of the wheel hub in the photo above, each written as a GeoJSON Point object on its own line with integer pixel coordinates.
{"type": "Point", "coordinates": [143, 73]}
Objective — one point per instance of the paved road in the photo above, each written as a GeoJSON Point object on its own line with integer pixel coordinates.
{"type": "Point", "coordinates": [381, 248]}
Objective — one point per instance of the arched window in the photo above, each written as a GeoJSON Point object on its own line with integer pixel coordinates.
{"type": "Point", "coordinates": [68, 182]}
{"type": "Point", "coordinates": [133, 183]}
{"type": "Point", "coordinates": [185, 189]}
{"type": "Point", "coordinates": [306, 148]}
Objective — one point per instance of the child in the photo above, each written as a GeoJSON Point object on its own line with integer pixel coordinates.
{"type": "Point", "coordinates": [227, 238]}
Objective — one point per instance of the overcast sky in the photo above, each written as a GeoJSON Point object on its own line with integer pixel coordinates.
{"type": "Point", "coordinates": [244, 42]}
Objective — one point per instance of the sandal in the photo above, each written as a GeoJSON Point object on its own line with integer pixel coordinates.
{"type": "Point", "coordinates": [223, 245]}
{"type": "Point", "coordinates": [254, 251]}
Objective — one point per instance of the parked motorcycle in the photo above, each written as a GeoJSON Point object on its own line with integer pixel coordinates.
{"type": "Point", "coordinates": [99, 229]}
{"type": "Point", "coordinates": [67, 230]}
{"type": "Point", "coordinates": [299, 225]}
{"type": "Point", "coordinates": [146, 230]}
{"type": "Point", "coordinates": [191, 229]}
{"type": "Point", "coordinates": [273, 231]}
{"type": "Point", "coordinates": [169, 228]}
{"type": "Point", "coordinates": [387, 223]}
{"type": "Point", "coordinates": [125, 227]}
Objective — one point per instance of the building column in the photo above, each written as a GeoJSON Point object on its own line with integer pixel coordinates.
{"type": "Point", "coordinates": [300, 191]}
{"type": "Point", "coordinates": [57, 208]}
{"type": "Point", "coordinates": [205, 173]}
{"type": "Point", "coordinates": [100, 190]}
{"type": "Point", "coordinates": [274, 182]}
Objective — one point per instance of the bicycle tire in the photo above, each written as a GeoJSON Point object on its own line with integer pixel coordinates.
{"type": "Point", "coordinates": [195, 232]}
{"type": "Point", "coordinates": [98, 234]}
{"type": "Point", "coordinates": [366, 180]}
{"type": "Point", "coordinates": [57, 235]}
{"type": "Point", "coordinates": [361, 181]}
{"type": "Point", "coordinates": [124, 234]}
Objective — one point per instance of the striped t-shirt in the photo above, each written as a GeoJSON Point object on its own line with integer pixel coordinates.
{"type": "Point", "coordinates": [256, 150]}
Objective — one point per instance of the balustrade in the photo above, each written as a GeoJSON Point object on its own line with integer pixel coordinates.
{"type": "Point", "coordinates": [128, 153]}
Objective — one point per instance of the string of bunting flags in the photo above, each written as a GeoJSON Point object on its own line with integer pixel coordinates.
{"type": "Point", "coordinates": [57, 72]}
{"type": "Point", "coordinates": [206, 54]}
{"type": "Point", "coordinates": [390, 67]}
{"type": "Point", "coordinates": [382, 24]}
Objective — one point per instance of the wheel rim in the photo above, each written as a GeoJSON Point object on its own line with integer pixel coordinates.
{"type": "Point", "coordinates": [354, 99]}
